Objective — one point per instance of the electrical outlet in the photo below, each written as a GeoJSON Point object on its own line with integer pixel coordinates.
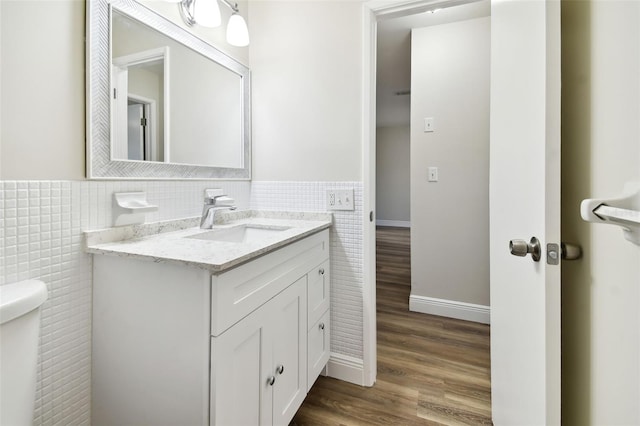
{"type": "Point", "coordinates": [340, 199]}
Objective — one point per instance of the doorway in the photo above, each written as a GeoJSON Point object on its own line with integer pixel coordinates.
{"type": "Point", "coordinates": [454, 41]}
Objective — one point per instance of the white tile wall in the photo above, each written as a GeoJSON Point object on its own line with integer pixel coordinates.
{"type": "Point", "coordinates": [346, 251]}
{"type": "Point", "coordinates": [41, 224]}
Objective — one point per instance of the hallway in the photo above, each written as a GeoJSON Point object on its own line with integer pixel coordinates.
{"type": "Point", "coordinates": [431, 370]}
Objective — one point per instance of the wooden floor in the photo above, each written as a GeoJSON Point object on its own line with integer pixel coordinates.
{"type": "Point", "coordinates": [431, 370]}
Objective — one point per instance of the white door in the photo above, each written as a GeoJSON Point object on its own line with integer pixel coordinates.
{"type": "Point", "coordinates": [135, 132]}
{"type": "Point", "coordinates": [525, 202]}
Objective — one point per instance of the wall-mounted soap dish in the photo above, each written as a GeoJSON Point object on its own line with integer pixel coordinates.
{"type": "Point", "coordinates": [129, 208]}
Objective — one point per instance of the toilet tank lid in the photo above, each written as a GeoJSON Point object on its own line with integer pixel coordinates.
{"type": "Point", "coordinates": [20, 298]}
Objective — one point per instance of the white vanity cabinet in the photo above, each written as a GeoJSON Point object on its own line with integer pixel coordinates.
{"type": "Point", "coordinates": [259, 365]}
{"type": "Point", "coordinates": [174, 344]}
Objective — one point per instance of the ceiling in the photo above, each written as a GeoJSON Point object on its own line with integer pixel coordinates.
{"type": "Point", "coordinates": [394, 57]}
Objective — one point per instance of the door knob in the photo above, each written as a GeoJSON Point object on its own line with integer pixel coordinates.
{"type": "Point", "coordinates": [522, 248]}
{"type": "Point", "coordinates": [570, 251]}
{"type": "Point", "coordinates": [280, 369]}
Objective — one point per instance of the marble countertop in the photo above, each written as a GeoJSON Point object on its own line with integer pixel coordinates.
{"type": "Point", "coordinates": [173, 241]}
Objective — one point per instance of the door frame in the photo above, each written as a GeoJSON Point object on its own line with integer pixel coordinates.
{"type": "Point", "coordinates": [374, 11]}
{"type": "Point", "coordinates": [120, 69]}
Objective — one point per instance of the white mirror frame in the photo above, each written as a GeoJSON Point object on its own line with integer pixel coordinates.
{"type": "Point", "coordinates": [99, 162]}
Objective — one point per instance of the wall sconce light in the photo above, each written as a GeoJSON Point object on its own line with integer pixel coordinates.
{"type": "Point", "coordinates": [207, 14]}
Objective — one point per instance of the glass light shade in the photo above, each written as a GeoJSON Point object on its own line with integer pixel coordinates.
{"type": "Point", "coordinates": [237, 31]}
{"type": "Point", "coordinates": [207, 13]}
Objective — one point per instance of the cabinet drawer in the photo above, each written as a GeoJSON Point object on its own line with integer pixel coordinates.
{"type": "Point", "coordinates": [238, 292]}
{"type": "Point", "coordinates": [318, 347]}
{"type": "Point", "coordinates": [318, 286]}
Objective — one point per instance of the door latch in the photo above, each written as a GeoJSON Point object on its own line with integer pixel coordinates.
{"type": "Point", "coordinates": [564, 251]}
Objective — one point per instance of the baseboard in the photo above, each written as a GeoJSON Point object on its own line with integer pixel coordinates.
{"type": "Point", "coordinates": [393, 223]}
{"type": "Point", "coordinates": [347, 368]}
{"type": "Point", "coordinates": [450, 309]}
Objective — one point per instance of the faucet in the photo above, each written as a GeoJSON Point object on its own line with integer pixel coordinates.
{"type": "Point", "coordinates": [210, 208]}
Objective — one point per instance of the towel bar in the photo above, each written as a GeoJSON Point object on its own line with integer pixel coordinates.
{"type": "Point", "coordinates": [623, 211]}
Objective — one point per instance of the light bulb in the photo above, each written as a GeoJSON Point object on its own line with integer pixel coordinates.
{"type": "Point", "coordinates": [237, 31]}
{"type": "Point", "coordinates": [207, 13]}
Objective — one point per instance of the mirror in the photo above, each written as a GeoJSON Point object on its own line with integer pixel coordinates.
{"type": "Point", "coordinates": [162, 103]}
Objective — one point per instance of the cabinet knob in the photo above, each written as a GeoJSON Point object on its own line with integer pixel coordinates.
{"type": "Point", "coordinates": [280, 369]}
{"type": "Point", "coordinates": [271, 380]}
{"type": "Point", "coordinates": [321, 326]}
{"type": "Point", "coordinates": [321, 271]}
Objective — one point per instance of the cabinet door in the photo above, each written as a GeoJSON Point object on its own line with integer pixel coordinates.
{"type": "Point", "coordinates": [241, 364]}
{"type": "Point", "coordinates": [318, 342]}
{"type": "Point", "coordinates": [289, 351]}
{"type": "Point", "coordinates": [318, 288]}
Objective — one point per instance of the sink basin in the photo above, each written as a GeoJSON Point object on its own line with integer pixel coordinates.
{"type": "Point", "coordinates": [240, 234]}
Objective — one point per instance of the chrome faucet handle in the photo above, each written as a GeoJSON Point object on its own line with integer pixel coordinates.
{"type": "Point", "coordinates": [212, 200]}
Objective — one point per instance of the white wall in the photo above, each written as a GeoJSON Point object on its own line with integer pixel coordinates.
{"type": "Point", "coordinates": [1, 38]}
{"type": "Point", "coordinates": [392, 176]}
{"type": "Point", "coordinates": [450, 218]}
{"type": "Point", "coordinates": [600, 151]}
{"type": "Point", "coordinates": [306, 68]}
{"type": "Point", "coordinates": [42, 107]}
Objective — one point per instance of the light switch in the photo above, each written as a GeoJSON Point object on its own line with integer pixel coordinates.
{"type": "Point", "coordinates": [429, 125]}
{"type": "Point", "coordinates": [432, 174]}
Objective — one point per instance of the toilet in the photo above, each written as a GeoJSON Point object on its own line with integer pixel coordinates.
{"type": "Point", "coordinates": [19, 330]}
